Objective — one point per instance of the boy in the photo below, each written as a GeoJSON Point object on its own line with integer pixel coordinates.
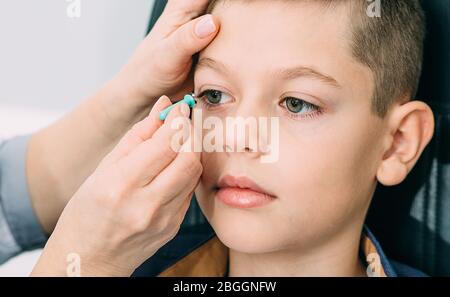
{"type": "Point", "coordinates": [340, 81]}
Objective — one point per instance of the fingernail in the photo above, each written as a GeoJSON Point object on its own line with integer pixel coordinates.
{"type": "Point", "coordinates": [185, 110]}
{"type": "Point", "coordinates": [205, 27]}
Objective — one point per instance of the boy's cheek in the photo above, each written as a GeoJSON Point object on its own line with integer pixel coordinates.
{"type": "Point", "coordinates": [326, 170]}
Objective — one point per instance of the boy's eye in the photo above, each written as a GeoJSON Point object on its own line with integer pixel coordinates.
{"type": "Point", "coordinates": [297, 106]}
{"type": "Point", "coordinates": [214, 97]}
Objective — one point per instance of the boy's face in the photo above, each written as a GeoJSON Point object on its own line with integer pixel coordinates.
{"type": "Point", "coordinates": [266, 53]}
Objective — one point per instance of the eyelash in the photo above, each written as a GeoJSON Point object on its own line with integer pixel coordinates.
{"type": "Point", "coordinates": [317, 109]}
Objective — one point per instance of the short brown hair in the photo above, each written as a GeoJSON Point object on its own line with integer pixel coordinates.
{"type": "Point", "coordinates": [390, 45]}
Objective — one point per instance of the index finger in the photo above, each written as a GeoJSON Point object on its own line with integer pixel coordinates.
{"type": "Point", "coordinates": [141, 131]}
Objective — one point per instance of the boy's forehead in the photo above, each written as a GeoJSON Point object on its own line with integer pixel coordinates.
{"type": "Point", "coordinates": [282, 32]}
{"type": "Point", "coordinates": [313, 15]}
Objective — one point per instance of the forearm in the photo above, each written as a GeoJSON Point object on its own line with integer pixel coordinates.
{"type": "Point", "coordinates": [63, 155]}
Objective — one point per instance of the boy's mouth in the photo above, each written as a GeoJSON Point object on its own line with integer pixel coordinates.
{"type": "Point", "coordinates": [242, 192]}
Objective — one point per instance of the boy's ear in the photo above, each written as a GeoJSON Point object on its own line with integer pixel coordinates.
{"type": "Point", "coordinates": [410, 128]}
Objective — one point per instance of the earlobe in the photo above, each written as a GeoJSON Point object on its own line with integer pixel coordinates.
{"type": "Point", "coordinates": [411, 126]}
{"type": "Point", "coordinates": [392, 171]}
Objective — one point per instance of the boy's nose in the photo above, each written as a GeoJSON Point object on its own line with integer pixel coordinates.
{"type": "Point", "coordinates": [233, 149]}
{"type": "Point", "coordinates": [244, 140]}
{"type": "Point", "coordinates": [245, 132]}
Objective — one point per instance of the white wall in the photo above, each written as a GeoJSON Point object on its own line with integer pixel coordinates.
{"type": "Point", "coordinates": [49, 62]}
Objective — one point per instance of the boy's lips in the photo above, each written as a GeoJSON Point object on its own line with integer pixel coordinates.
{"type": "Point", "coordinates": [242, 192]}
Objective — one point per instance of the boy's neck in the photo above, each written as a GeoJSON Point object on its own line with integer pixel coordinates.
{"type": "Point", "coordinates": [337, 257]}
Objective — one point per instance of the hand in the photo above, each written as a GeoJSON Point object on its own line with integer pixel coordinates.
{"type": "Point", "coordinates": [162, 63]}
{"type": "Point", "coordinates": [130, 206]}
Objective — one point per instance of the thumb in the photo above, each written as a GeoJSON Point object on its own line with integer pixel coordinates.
{"type": "Point", "coordinates": [190, 39]}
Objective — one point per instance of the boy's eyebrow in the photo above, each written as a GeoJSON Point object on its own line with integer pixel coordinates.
{"type": "Point", "coordinates": [286, 74]}
{"type": "Point", "coordinates": [302, 71]}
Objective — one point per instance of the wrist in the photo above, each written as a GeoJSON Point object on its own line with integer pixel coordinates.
{"type": "Point", "coordinates": [58, 260]}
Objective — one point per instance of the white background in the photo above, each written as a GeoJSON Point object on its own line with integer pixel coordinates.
{"type": "Point", "coordinates": [50, 62]}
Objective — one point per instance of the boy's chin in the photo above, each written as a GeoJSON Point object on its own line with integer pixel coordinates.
{"type": "Point", "coordinates": [243, 243]}
{"type": "Point", "coordinates": [246, 239]}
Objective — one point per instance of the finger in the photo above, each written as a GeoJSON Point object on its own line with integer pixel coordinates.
{"type": "Point", "coordinates": [141, 131]}
{"type": "Point", "coordinates": [145, 129]}
{"type": "Point", "coordinates": [177, 180]}
{"type": "Point", "coordinates": [189, 39]}
{"type": "Point", "coordinates": [177, 13]}
{"type": "Point", "coordinates": [186, 203]}
{"type": "Point", "coordinates": [148, 159]}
